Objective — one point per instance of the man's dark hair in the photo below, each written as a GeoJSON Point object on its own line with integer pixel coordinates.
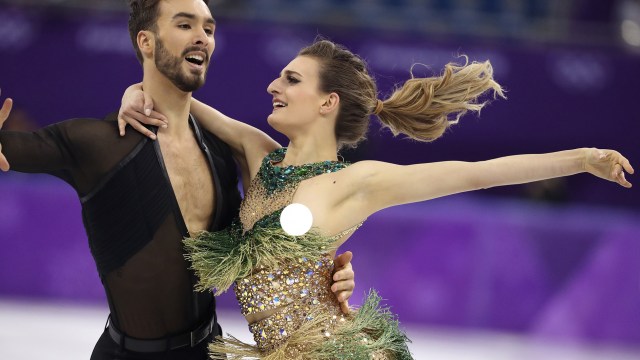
{"type": "Point", "coordinates": [143, 16]}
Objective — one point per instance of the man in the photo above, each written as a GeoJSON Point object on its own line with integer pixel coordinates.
{"type": "Point", "coordinates": [140, 198]}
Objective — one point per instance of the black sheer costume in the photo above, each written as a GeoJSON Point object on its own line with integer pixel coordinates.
{"type": "Point", "coordinates": [134, 224]}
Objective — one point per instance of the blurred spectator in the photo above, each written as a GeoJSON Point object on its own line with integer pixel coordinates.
{"type": "Point", "coordinates": [20, 120]}
{"type": "Point", "coordinates": [548, 191]}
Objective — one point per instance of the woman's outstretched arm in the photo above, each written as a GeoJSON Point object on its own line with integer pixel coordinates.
{"type": "Point", "coordinates": [378, 185]}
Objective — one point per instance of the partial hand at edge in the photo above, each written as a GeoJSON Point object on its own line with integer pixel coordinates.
{"type": "Point", "coordinates": [4, 114]}
{"type": "Point", "coordinates": [137, 109]}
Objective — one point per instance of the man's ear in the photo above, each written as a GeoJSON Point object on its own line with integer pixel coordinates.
{"type": "Point", "coordinates": [146, 42]}
{"type": "Point", "coordinates": [330, 104]}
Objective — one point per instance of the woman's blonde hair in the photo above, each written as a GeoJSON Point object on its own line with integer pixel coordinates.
{"type": "Point", "coordinates": [422, 108]}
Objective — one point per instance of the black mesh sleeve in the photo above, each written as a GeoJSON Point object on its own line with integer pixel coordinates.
{"type": "Point", "coordinates": [79, 151]}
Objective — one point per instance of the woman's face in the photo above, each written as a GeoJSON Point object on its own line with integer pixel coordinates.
{"type": "Point", "coordinates": [296, 96]}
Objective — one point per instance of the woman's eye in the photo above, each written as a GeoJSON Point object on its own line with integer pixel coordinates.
{"type": "Point", "coordinates": [292, 80]}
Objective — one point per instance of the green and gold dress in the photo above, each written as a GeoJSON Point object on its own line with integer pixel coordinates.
{"type": "Point", "coordinates": [290, 275]}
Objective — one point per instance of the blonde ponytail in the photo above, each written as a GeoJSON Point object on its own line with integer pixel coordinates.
{"type": "Point", "coordinates": [423, 108]}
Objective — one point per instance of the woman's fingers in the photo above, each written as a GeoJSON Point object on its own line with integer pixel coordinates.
{"type": "Point", "coordinates": [137, 125]}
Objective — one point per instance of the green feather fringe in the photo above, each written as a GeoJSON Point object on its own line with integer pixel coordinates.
{"type": "Point", "coordinates": [222, 257]}
{"type": "Point", "coordinates": [377, 324]}
{"type": "Point", "coordinates": [381, 329]}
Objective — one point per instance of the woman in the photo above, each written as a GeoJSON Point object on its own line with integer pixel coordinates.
{"type": "Point", "coordinates": [322, 102]}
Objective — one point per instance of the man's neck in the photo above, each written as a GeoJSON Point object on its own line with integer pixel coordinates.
{"type": "Point", "coordinates": [170, 101]}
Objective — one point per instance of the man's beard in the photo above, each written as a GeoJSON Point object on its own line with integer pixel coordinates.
{"type": "Point", "coordinates": [170, 66]}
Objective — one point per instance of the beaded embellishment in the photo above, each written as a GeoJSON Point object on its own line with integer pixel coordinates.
{"type": "Point", "coordinates": [274, 186]}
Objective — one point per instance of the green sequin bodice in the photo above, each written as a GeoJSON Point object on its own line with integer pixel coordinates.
{"type": "Point", "coordinates": [276, 178]}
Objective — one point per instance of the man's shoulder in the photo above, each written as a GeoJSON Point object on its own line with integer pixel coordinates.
{"type": "Point", "coordinates": [107, 121]}
{"type": "Point", "coordinates": [94, 132]}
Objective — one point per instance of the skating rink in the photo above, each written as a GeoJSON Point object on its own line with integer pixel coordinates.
{"type": "Point", "coordinates": [61, 331]}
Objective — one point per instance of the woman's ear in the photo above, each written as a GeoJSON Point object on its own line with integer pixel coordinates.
{"type": "Point", "coordinates": [330, 104]}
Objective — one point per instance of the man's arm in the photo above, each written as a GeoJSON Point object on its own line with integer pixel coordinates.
{"type": "Point", "coordinates": [79, 151]}
{"type": "Point", "coordinates": [32, 152]}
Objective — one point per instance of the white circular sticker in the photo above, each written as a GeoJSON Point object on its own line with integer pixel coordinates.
{"type": "Point", "coordinates": [296, 219]}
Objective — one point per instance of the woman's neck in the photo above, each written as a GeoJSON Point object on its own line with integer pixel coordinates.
{"type": "Point", "coordinates": [306, 152]}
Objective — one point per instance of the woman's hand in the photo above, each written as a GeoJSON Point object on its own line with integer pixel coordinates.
{"type": "Point", "coordinates": [343, 280]}
{"type": "Point", "coordinates": [608, 164]}
{"type": "Point", "coordinates": [4, 114]}
{"type": "Point", "coordinates": [136, 109]}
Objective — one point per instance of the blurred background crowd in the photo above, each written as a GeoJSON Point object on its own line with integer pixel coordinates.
{"type": "Point", "coordinates": [595, 22]}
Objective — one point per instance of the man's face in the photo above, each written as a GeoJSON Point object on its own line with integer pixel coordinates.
{"type": "Point", "coordinates": [184, 42]}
